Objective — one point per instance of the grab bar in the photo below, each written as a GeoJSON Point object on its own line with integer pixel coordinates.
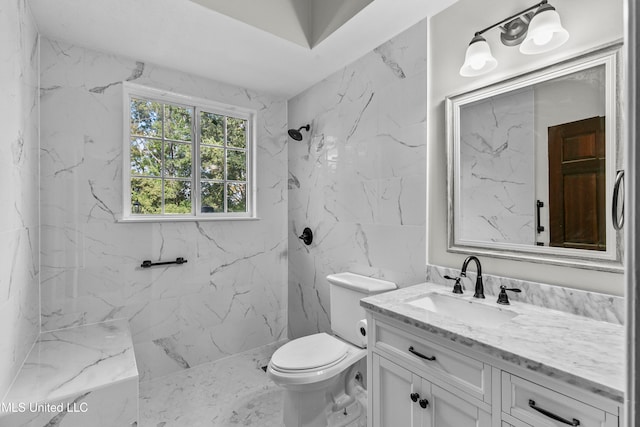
{"type": "Point", "coordinates": [147, 263]}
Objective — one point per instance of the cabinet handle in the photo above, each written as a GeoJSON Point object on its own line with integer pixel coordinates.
{"type": "Point", "coordinates": [618, 220]}
{"type": "Point", "coordinates": [420, 355]}
{"type": "Point", "coordinates": [574, 422]}
{"type": "Point", "coordinates": [424, 403]}
{"type": "Point", "coordinates": [414, 396]}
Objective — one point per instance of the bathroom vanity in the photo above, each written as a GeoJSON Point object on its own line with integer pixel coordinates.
{"type": "Point", "coordinates": [437, 359]}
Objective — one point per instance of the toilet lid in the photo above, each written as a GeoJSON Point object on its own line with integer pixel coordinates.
{"type": "Point", "coordinates": [312, 351]}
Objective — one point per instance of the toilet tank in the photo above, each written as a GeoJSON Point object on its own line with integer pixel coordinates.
{"type": "Point", "coordinates": [346, 290]}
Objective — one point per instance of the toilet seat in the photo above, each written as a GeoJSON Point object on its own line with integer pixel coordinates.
{"type": "Point", "coordinates": [304, 378]}
{"type": "Point", "coordinates": [309, 354]}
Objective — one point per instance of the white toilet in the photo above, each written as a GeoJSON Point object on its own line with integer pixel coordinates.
{"type": "Point", "coordinates": [318, 371]}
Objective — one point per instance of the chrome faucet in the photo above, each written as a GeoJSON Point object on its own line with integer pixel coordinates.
{"type": "Point", "coordinates": [479, 292]}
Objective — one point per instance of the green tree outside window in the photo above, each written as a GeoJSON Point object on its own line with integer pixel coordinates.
{"type": "Point", "coordinates": [163, 149]}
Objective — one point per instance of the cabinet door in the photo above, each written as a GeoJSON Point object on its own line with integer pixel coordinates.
{"type": "Point", "coordinates": [394, 390]}
{"type": "Point", "coordinates": [448, 410]}
{"type": "Point", "coordinates": [392, 387]}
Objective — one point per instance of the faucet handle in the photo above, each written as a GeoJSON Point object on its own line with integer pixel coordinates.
{"type": "Point", "coordinates": [503, 298]}
{"type": "Point", "coordinates": [457, 288]}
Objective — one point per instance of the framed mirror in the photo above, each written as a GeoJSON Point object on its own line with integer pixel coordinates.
{"type": "Point", "coordinates": [532, 163]}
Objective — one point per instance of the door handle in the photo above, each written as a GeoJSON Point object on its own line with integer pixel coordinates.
{"type": "Point", "coordinates": [618, 220]}
{"type": "Point", "coordinates": [539, 205]}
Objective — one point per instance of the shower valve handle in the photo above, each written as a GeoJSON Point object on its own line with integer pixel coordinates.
{"type": "Point", "coordinates": [306, 236]}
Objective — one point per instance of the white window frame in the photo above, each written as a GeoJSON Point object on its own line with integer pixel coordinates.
{"type": "Point", "coordinates": [197, 104]}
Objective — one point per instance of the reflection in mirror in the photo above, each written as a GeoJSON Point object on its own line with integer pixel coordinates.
{"type": "Point", "coordinates": [496, 169]}
{"type": "Point", "coordinates": [518, 148]}
{"type": "Point", "coordinates": [532, 163]}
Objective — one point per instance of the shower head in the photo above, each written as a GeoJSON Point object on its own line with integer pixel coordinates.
{"type": "Point", "coordinates": [296, 135]}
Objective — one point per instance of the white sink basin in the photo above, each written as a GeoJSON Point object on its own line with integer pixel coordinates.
{"type": "Point", "coordinates": [464, 310]}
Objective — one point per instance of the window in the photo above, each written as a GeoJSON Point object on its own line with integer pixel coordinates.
{"type": "Point", "coordinates": [185, 158]}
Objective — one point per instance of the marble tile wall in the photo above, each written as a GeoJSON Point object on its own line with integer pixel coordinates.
{"type": "Point", "coordinates": [19, 222]}
{"type": "Point", "coordinates": [358, 178]}
{"type": "Point", "coordinates": [497, 193]}
{"type": "Point", "coordinates": [231, 294]}
{"type": "Point", "coordinates": [603, 307]}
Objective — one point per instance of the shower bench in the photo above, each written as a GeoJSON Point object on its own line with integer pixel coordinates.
{"type": "Point", "coordinates": [80, 376]}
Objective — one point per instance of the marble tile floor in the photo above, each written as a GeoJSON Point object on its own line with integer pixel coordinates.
{"type": "Point", "coordinates": [234, 391]}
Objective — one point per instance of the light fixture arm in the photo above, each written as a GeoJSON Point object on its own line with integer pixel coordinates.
{"type": "Point", "coordinates": [511, 17]}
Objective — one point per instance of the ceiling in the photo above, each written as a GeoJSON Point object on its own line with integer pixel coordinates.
{"type": "Point", "coordinates": [249, 50]}
{"type": "Point", "coordinates": [306, 22]}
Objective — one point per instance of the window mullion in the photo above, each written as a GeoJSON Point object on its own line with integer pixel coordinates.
{"type": "Point", "coordinates": [196, 201]}
{"type": "Point", "coordinates": [162, 157]}
{"type": "Point", "coordinates": [248, 170]}
{"type": "Point", "coordinates": [225, 186]}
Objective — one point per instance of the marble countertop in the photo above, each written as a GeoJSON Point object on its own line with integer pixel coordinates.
{"type": "Point", "coordinates": [578, 350]}
{"type": "Point", "coordinates": [70, 361]}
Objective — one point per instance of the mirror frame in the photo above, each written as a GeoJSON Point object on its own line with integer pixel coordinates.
{"type": "Point", "coordinates": [609, 260]}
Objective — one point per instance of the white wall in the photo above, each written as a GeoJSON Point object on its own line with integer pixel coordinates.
{"type": "Point", "coordinates": [231, 294]}
{"type": "Point", "coordinates": [590, 23]}
{"type": "Point", "coordinates": [358, 179]}
{"type": "Point", "coordinates": [19, 222]}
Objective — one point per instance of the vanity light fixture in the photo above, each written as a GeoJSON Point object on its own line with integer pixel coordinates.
{"type": "Point", "coordinates": [535, 32]}
{"type": "Point", "coordinates": [478, 60]}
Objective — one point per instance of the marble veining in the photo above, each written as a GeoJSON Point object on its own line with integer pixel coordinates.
{"type": "Point", "coordinates": [229, 297]}
{"type": "Point", "coordinates": [577, 350]}
{"type": "Point", "coordinates": [597, 306]}
{"type": "Point", "coordinates": [19, 174]}
{"type": "Point", "coordinates": [109, 406]}
{"type": "Point", "coordinates": [496, 172]}
{"type": "Point", "coordinates": [358, 178]}
{"type": "Point", "coordinates": [67, 362]}
{"type": "Point", "coordinates": [228, 392]}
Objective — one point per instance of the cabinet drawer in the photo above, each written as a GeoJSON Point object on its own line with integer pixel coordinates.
{"type": "Point", "coordinates": [539, 406]}
{"type": "Point", "coordinates": [457, 369]}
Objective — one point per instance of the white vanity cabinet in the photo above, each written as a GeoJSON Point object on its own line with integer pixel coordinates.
{"type": "Point", "coordinates": [404, 399]}
{"type": "Point", "coordinates": [398, 395]}
{"type": "Point", "coordinates": [525, 403]}
{"type": "Point", "coordinates": [419, 381]}
{"type": "Point", "coordinates": [416, 383]}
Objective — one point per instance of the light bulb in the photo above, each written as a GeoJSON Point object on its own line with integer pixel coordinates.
{"type": "Point", "coordinates": [542, 38]}
{"type": "Point", "coordinates": [477, 63]}
{"type": "Point", "coordinates": [478, 59]}
{"type": "Point", "coordinates": [545, 32]}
